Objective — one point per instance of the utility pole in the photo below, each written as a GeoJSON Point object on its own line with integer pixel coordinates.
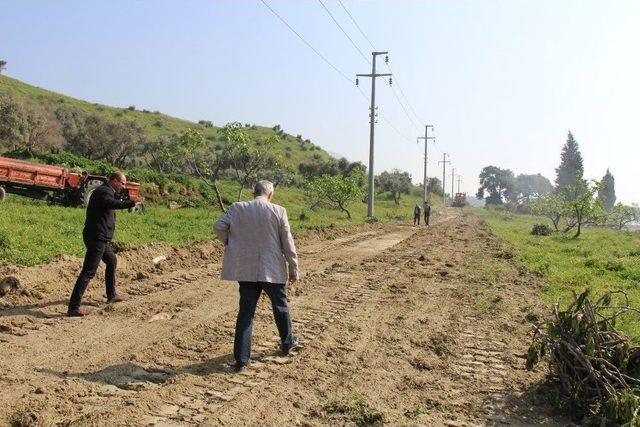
{"type": "Point", "coordinates": [372, 121]}
{"type": "Point", "coordinates": [426, 138]}
{"type": "Point", "coordinates": [453, 174]}
{"type": "Point", "coordinates": [444, 162]}
{"type": "Point", "coordinates": [459, 179]}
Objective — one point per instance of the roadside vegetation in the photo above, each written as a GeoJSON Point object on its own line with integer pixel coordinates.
{"type": "Point", "coordinates": [601, 259]}
{"type": "Point", "coordinates": [33, 232]}
{"type": "Point", "coordinates": [196, 169]}
{"type": "Point", "coordinates": [574, 235]}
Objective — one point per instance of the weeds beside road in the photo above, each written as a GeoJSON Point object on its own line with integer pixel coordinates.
{"type": "Point", "coordinates": [601, 259]}
{"type": "Point", "coordinates": [33, 232]}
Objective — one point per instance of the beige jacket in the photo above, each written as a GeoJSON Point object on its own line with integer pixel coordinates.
{"type": "Point", "coordinates": [257, 241]}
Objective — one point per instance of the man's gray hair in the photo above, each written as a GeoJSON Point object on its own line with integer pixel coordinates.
{"type": "Point", "coordinates": [263, 188]}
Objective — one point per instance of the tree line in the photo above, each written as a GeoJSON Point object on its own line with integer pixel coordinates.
{"type": "Point", "coordinates": [570, 203]}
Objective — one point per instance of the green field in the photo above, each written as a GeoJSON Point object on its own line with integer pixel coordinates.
{"type": "Point", "coordinates": [600, 259]}
{"type": "Point", "coordinates": [33, 232]}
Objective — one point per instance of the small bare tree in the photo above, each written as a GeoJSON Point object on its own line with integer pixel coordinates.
{"type": "Point", "coordinates": [202, 159]}
{"type": "Point", "coordinates": [247, 160]}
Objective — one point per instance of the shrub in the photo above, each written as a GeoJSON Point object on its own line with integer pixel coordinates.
{"type": "Point", "coordinates": [159, 123]}
{"type": "Point", "coordinates": [132, 108]}
{"type": "Point", "coordinates": [541, 230]}
{"type": "Point", "coordinates": [594, 368]}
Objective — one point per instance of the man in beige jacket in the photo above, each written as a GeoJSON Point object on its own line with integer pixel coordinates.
{"type": "Point", "coordinates": [257, 242]}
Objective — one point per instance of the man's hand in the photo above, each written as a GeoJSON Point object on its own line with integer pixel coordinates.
{"type": "Point", "coordinates": [292, 280]}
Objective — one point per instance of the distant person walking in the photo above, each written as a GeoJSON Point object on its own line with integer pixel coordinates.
{"type": "Point", "coordinates": [97, 234]}
{"type": "Point", "coordinates": [257, 242]}
{"type": "Point", "coordinates": [416, 215]}
{"type": "Point", "coordinates": [427, 213]}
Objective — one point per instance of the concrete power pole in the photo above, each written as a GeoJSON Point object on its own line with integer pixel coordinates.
{"type": "Point", "coordinates": [444, 162]}
{"type": "Point", "coordinates": [426, 138]}
{"type": "Point", "coordinates": [453, 179]}
{"type": "Point", "coordinates": [459, 179]}
{"type": "Point", "coordinates": [372, 122]}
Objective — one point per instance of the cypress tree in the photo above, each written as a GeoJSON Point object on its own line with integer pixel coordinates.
{"type": "Point", "coordinates": [570, 170]}
{"type": "Point", "coordinates": [607, 191]}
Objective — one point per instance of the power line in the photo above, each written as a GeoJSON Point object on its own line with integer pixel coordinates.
{"type": "Point", "coordinates": [355, 23]}
{"type": "Point", "coordinates": [401, 105]}
{"type": "Point", "coordinates": [344, 32]}
{"type": "Point", "coordinates": [306, 42]}
{"type": "Point", "coordinates": [396, 129]}
{"type": "Point", "coordinates": [403, 136]}
{"type": "Point", "coordinates": [404, 96]}
{"type": "Point", "coordinates": [333, 66]}
{"type": "Point", "coordinates": [357, 26]}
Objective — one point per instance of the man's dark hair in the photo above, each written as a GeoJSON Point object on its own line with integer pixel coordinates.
{"type": "Point", "coordinates": [116, 175]}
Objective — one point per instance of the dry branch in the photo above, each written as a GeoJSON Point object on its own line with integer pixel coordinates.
{"type": "Point", "coordinates": [594, 365]}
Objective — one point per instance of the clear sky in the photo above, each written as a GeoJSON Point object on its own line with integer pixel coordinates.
{"type": "Point", "coordinates": [502, 81]}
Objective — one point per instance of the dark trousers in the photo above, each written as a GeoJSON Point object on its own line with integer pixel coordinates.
{"type": "Point", "coordinates": [426, 219]}
{"type": "Point", "coordinates": [416, 219]}
{"type": "Point", "coordinates": [249, 296]}
{"type": "Point", "coordinates": [96, 251]}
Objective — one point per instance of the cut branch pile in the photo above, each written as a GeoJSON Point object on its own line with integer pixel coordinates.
{"type": "Point", "coordinates": [594, 366]}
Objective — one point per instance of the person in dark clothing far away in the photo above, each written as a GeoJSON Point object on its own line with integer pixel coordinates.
{"type": "Point", "coordinates": [416, 215]}
{"type": "Point", "coordinates": [427, 213]}
{"type": "Point", "coordinates": [97, 234]}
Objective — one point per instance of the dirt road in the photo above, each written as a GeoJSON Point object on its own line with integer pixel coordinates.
{"type": "Point", "coordinates": [399, 325]}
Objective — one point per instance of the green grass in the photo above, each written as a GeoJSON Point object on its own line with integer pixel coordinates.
{"type": "Point", "coordinates": [50, 101]}
{"type": "Point", "coordinates": [33, 232]}
{"type": "Point", "coordinates": [600, 259]}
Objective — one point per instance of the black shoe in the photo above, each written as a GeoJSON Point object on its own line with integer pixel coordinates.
{"type": "Point", "coordinates": [295, 342]}
{"type": "Point", "coordinates": [240, 366]}
{"type": "Point", "coordinates": [114, 299]}
{"type": "Point", "coordinates": [76, 312]}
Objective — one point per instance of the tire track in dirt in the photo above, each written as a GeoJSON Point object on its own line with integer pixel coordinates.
{"type": "Point", "coordinates": [110, 333]}
{"type": "Point", "coordinates": [420, 348]}
{"type": "Point", "coordinates": [418, 325]}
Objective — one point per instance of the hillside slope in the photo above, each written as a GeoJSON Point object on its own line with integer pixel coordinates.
{"type": "Point", "coordinates": [295, 149]}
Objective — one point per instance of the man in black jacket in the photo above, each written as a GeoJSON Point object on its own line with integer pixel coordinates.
{"type": "Point", "coordinates": [97, 235]}
{"type": "Point", "coordinates": [427, 213]}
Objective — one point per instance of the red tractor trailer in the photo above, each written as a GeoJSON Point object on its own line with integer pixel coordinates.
{"type": "Point", "coordinates": [52, 183]}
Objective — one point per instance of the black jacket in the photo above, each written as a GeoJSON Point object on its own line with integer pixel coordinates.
{"type": "Point", "coordinates": [101, 218]}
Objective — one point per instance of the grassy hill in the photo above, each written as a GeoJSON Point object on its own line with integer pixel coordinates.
{"type": "Point", "coordinates": [294, 150]}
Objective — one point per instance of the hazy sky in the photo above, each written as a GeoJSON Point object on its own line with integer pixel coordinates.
{"type": "Point", "coordinates": [502, 81]}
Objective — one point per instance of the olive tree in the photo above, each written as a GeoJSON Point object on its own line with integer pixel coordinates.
{"type": "Point", "coordinates": [201, 159]}
{"type": "Point", "coordinates": [334, 192]}
{"type": "Point", "coordinates": [395, 182]}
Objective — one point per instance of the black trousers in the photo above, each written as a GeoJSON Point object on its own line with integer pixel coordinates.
{"type": "Point", "coordinates": [426, 219]}
{"type": "Point", "coordinates": [249, 296]}
{"type": "Point", "coordinates": [97, 251]}
{"type": "Point", "coordinates": [416, 219]}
